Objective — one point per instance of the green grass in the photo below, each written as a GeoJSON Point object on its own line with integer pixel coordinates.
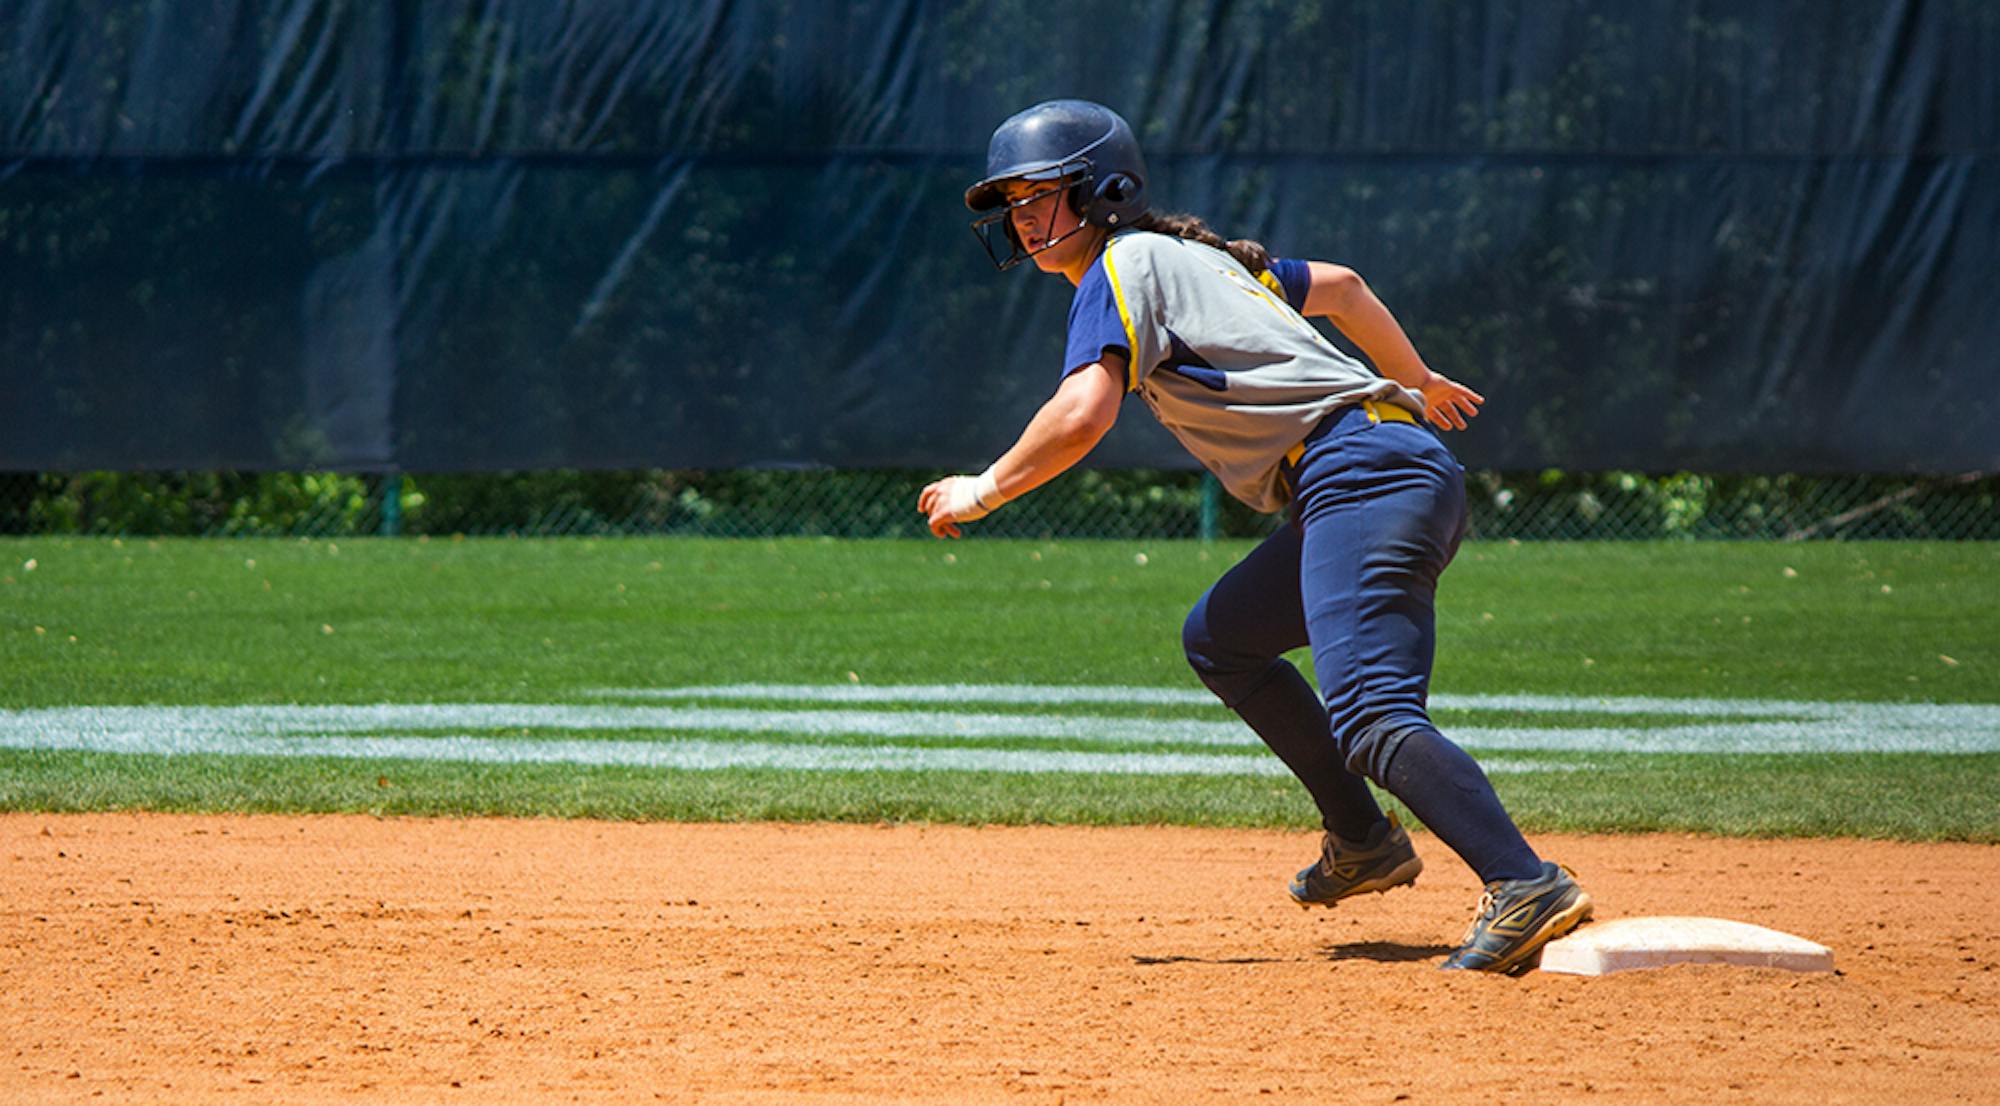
{"type": "Point", "coordinates": [1909, 797]}
{"type": "Point", "coordinates": [103, 622]}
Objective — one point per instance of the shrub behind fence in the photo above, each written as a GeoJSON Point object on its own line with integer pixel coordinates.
{"type": "Point", "coordinates": [882, 503]}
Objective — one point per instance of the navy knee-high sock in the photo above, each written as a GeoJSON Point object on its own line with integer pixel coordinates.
{"type": "Point", "coordinates": [1292, 721]}
{"type": "Point", "coordinates": [1445, 787]}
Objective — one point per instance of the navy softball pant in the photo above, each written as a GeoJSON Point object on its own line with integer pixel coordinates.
{"type": "Point", "coordinates": [1378, 512]}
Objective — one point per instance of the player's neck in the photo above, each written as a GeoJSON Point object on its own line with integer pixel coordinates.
{"type": "Point", "coordinates": [1091, 244]}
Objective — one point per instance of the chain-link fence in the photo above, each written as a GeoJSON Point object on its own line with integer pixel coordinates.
{"type": "Point", "coordinates": [882, 503]}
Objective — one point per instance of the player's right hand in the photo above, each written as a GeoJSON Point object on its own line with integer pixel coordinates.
{"type": "Point", "coordinates": [950, 501]}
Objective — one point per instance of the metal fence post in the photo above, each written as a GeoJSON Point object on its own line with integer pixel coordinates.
{"type": "Point", "coordinates": [392, 505]}
{"type": "Point", "coordinates": [1211, 505]}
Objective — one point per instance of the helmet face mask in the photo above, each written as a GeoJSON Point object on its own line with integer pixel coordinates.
{"type": "Point", "coordinates": [1076, 145]}
{"type": "Point", "coordinates": [997, 225]}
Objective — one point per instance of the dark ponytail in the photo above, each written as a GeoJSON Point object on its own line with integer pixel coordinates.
{"type": "Point", "coordinates": [1251, 255]}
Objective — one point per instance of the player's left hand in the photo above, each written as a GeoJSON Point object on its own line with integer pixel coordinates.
{"type": "Point", "coordinates": [950, 501]}
{"type": "Point", "coordinates": [1447, 403]}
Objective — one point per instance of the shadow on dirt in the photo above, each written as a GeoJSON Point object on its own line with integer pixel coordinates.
{"type": "Point", "coordinates": [1387, 952]}
{"type": "Point", "coordinates": [1210, 959]}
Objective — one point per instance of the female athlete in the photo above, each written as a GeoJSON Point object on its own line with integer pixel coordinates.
{"type": "Point", "coordinates": [1211, 335]}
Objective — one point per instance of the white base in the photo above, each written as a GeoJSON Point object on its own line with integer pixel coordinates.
{"type": "Point", "coordinates": [1628, 943]}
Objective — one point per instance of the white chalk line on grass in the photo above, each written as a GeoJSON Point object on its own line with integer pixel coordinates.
{"type": "Point", "coordinates": [1034, 694]}
{"type": "Point", "coordinates": [686, 733]}
{"type": "Point", "coordinates": [700, 755]}
{"type": "Point", "coordinates": [1862, 728]}
{"type": "Point", "coordinates": [1787, 726]}
{"type": "Point", "coordinates": [1057, 694]}
{"type": "Point", "coordinates": [289, 721]}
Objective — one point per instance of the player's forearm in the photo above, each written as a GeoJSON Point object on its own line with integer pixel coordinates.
{"type": "Point", "coordinates": [1367, 323]}
{"type": "Point", "coordinates": [1062, 433]}
{"type": "Point", "coordinates": [1345, 299]}
{"type": "Point", "coordinates": [1067, 428]}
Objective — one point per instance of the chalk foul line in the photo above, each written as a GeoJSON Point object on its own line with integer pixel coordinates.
{"type": "Point", "coordinates": [683, 728]}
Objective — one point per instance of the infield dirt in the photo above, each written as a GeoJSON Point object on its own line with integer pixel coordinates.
{"type": "Point", "coordinates": [185, 959]}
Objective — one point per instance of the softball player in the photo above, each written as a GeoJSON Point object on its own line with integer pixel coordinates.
{"type": "Point", "coordinates": [1211, 336]}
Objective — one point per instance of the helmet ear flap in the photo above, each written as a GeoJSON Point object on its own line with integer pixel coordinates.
{"type": "Point", "coordinates": [1101, 201]}
{"type": "Point", "coordinates": [1113, 195]}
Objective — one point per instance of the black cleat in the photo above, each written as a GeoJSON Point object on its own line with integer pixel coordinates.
{"type": "Point", "coordinates": [1516, 918]}
{"type": "Point", "coordinates": [1387, 860]}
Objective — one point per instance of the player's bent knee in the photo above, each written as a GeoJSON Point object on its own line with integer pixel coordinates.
{"type": "Point", "coordinates": [1368, 748]}
{"type": "Point", "coordinates": [1197, 643]}
{"type": "Point", "coordinates": [1198, 648]}
{"type": "Point", "coordinates": [1232, 677]}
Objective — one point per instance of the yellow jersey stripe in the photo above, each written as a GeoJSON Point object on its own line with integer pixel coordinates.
{"type": "Point", "coordinates": [1124, 317]}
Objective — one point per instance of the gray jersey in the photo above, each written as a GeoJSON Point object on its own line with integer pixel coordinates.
{"type": "Point", "coordinates": [1225, 363]}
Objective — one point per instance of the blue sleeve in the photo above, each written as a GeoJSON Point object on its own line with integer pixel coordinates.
{"type": "Point", "coordinates": [1094, 322]}
{"type": "Point", "coordinates": [1294, 280]}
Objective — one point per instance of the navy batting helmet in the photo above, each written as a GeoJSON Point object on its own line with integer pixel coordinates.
{"type": "Point", "coordinates": [1084, 146]}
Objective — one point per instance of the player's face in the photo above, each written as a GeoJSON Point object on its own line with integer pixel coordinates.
{"type": "Point", "coordinates": [1045, 218]}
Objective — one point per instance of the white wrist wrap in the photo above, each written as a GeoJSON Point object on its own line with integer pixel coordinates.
{"type": "Point", "coordinates": [974, 497]}
{"type": "Point", "coordinates": [986, 490]}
